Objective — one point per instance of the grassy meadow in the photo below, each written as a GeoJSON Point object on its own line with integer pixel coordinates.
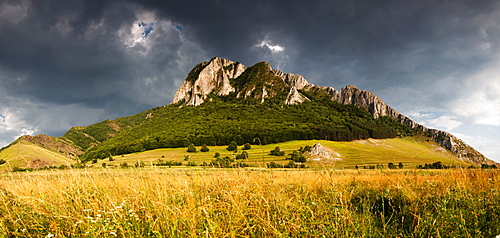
{"type": "Point", "coordinates": [411, 151]}
{"type": "Point", "coordinates": [250, 203]}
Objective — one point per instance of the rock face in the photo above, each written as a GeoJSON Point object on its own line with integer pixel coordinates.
{"type": "Point", "coordinates": [319, 152]}
{"type": "Point", "coordinates": [215, 77]}
{"type": "Point", "coordinates": [209, 77]}
{"type": "Point", "coordinates": [222, 76]}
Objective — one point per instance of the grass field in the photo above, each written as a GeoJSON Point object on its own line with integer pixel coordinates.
{"type": "Point", "coordinates": [26, 154]}
{"type": "Point", "coordinates": [250, 203]}
{"type": "Point", "coordinates": [411, 151]}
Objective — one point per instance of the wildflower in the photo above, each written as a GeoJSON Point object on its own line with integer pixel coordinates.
{"type": "Point", "coordinates": [50, 235]}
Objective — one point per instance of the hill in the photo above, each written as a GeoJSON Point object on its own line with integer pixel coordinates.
{"type": "Point", "coordinates": [222, 101]}
{"type": "Point", "coordinates": [24, 154]}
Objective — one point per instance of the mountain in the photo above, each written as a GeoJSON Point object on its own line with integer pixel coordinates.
{"type": "Point", "coordinates": [212, 76]}
{"type": "Point", "coordinates": [222, 101]}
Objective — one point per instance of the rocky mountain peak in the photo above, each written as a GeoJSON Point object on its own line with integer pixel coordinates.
{"type": "Point", "coordinates": [208, 77]}
{"type": "Point", "coordinates": [221, 77]}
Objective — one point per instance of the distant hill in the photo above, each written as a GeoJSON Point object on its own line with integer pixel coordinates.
{"type": "Point", "coordinates": [221, 101]}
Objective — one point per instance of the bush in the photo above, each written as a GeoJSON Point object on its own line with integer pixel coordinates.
{"type": "Point", "coordinates": [247, 146]}
{"type": "Point", "coordinates": [277, 152]}
{"type": "Point", "coordinates": [204, 148]}
{"type": "Point", "coordinates": [191, 148]}
{"type": "Point", "coordinates": [243, 155]}
{"type": "Point", "coordinates": [232, 146]}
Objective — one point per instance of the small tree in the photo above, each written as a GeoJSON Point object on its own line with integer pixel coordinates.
{"type": "Point", "coordinates": [217, 155]}
{"type": "Point", "coordinates": [247, 146]}
{"type": "Point", "coordinates": [243, 155]}
{"type": "Point", "coordinates": [186, 157]}
{"type": "Point", "coordinates": [204, 148]}
{"type": "Point", "coordinates": [391, 166]}
{"type": "Point", "coordinates": [277, 152]}
{"type": "Point", "coordinates": [400, 165]}
{"type": "Point", "coordinates": [232, 146]}
{"type": "Point", "coordinates": [191, 148]}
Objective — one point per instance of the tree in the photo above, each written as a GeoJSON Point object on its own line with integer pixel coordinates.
{"type": "Point", "coordinates": [232, 146]}
{"type": "Point", "coordinates": [400, 165]}
{"type": "Point", "coordinates": [277, 152]}
{"type": "Point", "coordinates": [217, 155]}
{"type": "Point", "coordinates": [191, 148]}
{"type": "Point", "coordinates": [243, 155]}
{"type": "Point", "coordinates": [391, 166]}
{"type": "Point", "coordinates": [247, 146]}
{"type": "Point", "coordinates": [204, 148]}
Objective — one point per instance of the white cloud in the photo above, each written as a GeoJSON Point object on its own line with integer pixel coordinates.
{"type": "Point", "coordinates": [481, 103]}
{"type": "Point", "coordinates": [273, 48]}
{"type": "Point", "coordinates": [434, 120]}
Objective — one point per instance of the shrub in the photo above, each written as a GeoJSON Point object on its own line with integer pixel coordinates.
{"type": "Point", "coordinates": [232, 146]}
{"type": "Point", "coordinates": [204, 148]}
{"type": "Point", "coordinates": [191, 148]}
{"type": "Point", "coordinates": [277, 152]}
{"type": "Point", "coordinates": [247, 146]}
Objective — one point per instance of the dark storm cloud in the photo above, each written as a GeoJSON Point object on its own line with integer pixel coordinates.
{"type": "Point", "coordinates": [362, 40]}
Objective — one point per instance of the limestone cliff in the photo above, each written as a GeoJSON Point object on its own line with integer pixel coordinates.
{"type": "Point", "coordinates": [222, 76]}
{"type": "Point", "coordinates": [208, 77]}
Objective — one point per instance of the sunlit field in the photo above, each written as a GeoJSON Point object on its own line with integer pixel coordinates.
{"type": "Point", "coordinates": [250, 203]}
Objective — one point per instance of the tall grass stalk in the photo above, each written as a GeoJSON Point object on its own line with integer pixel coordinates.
{"type": "Point", "coordinates": [250, 203]}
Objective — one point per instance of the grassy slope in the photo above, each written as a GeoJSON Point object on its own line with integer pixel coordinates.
{"type": "Point", "coordinates": [411, 151]}
{"type": "Point", "coordinates": [23, 152]}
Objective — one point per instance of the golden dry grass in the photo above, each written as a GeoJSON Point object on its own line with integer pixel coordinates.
{"type": "Point", "coordinates": [250, 203]}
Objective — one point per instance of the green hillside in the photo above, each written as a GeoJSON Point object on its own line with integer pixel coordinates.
{"type": "Point", "coordinates": [219, 123]}
{"type": "Point", "coordinates": [26, 154]}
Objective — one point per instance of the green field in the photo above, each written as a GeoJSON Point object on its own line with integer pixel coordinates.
{"type": "Point", "coordinates": [411, 151]}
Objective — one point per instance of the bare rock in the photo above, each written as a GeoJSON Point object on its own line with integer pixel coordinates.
{"type": "Point", "coordinates": [319, 152]}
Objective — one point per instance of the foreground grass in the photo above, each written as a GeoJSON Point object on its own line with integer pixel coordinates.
{"type": "Point", "coordinates": [250, 203]}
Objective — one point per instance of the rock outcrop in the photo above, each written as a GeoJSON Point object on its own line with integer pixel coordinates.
{"type": "Point", "coordinates": [222, 76]}
{"type": "Point", "coordinates": [206, 78]}
{"type": "Point", "coordinates": [319, 152]}
{"type": "Point", "coordinates": [215, 77]}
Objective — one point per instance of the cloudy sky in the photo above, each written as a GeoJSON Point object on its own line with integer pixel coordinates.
{"type": "Point", "coordinates": [67, 63]}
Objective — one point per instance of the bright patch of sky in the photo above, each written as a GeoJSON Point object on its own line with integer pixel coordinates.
{"type": "Point", "coordinates": [148, 28]}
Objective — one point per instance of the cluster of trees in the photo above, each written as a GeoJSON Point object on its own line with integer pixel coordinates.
{"type": "Point", "coordinates": [161, 162]}
{"type": "Point", "coordinates": [290, 164]}
{"type": "Point", "coordinates": [435, 165]}
{"type": "Point", "coordinates": [277, 152]}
